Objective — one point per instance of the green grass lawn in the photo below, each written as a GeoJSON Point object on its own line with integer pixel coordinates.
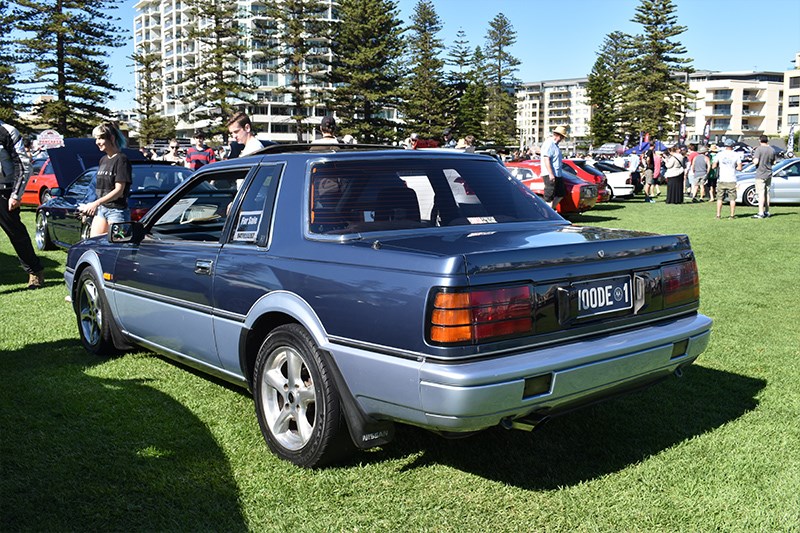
{"type": "Point", "coordinates": [139, 443]}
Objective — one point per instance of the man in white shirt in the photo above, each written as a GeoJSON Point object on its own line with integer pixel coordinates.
{"type": "Point", "coordinates": [241, 130]}
{"type": "Point", "coordinates": [328, 130]}
{"type": "Point", "coordinates": [727, 163]}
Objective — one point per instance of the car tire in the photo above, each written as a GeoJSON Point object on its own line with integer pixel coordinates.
{"type": "Point", "coordinates": [750, 197]}
{"type": "Point", "coordinates": [94, 317]}
{"type": "Point", "coordinates": [611, 195]}
{"type": "Point", "coordinates": [297, 402]}
{"type": "Point", "coordinates": [42, 235]}
{"type": "Point", "coordinates": [44, 195]}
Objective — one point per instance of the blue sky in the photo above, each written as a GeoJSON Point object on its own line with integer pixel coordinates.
{"type": "Point", "coordinates": [560, 39]}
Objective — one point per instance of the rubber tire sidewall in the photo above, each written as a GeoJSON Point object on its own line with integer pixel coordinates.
{"type": "Point", "coordinates": [330, 440]}
{"type": "Point", "coordinates": [105, 346]}
{"type": "Point", "coordinates": [46, 241]}
{"type": "Point", "coordinates": [746, 194]}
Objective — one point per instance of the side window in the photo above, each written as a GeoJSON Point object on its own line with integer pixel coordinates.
{"type": "Point", "coordinates": [253, 216]}
{"type": "Point", "coordinates": [199, 213]}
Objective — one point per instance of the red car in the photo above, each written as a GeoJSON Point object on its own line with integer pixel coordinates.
{"type": "Point", "coordinates": [587, 172]}
{"type": "Point", "coordinates": [37, 190]}
{"type": "Point", "coordinates": [580, 194]}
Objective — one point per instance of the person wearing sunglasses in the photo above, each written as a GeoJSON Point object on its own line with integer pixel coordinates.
{"type": "Point", "coordinates": [172, 155]}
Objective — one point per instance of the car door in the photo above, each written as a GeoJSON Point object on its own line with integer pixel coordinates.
{"type": "Point", "coordinates": [163, 284]}
{"type": "Point", "coordinates": [786, 183]}
{"type": "Point", "coordinates": [63, 216]}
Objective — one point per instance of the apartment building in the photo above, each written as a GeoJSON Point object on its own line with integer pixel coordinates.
{"type": "Point", "coordinates": [740, 105]}
{"type": "Point", "coordinates": [161, 25]}
{"type": "Point", "coordinates": [541, 106]}
{"type": "Point", "coordinates": [791, 97]}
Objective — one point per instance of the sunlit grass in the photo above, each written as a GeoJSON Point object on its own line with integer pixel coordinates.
{"type": "Point", "coordinates": [139, 443]}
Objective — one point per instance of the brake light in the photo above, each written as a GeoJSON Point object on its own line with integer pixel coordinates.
{"type": "Point", "coordinates": [470, 316]}
{"type": "Point", "coordinates": [137, 213]}
{"type": "Point", "coordinates": [680, 283]}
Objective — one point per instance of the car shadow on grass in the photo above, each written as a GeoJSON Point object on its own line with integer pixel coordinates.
{"type": "Point", "coordinates": [590, 443]}
{"type": "Point", "coordinates": [81, 452]}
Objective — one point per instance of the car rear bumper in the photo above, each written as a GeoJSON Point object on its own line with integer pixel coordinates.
{"type": "Point", "coordinates": [475, 395]}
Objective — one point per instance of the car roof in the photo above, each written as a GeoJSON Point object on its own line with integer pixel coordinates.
{"type": "Point", "coordinates": [338, 151]}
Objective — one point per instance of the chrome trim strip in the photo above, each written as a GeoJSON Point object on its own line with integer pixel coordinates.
{"type": "Point", "coordinates": [171, 300]}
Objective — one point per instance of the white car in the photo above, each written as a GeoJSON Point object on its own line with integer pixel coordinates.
{"type": "Point", "coordinates": [785, 188]}
{"type": "Point", "coordinates": [619, 180]}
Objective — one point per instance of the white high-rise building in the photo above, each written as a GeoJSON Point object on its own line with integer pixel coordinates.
{"type": "Point", "coordinates": [160, 26]}
{"type": "Point", "coordinates": [541, 106]}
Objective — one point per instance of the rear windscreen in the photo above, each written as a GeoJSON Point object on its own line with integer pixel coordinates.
{"type": "Point", "coordinates": [383, 194]}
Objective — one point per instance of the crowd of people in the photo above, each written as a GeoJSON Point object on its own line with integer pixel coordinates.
{"type": "Point", "coordinates": [707, 172]}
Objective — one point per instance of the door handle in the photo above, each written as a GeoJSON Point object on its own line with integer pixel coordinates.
{"type": "Point", "coordinates": [203, 267]}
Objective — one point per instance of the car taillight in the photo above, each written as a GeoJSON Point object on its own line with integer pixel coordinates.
{"type": "Point", "coordinates": [680, 283]}
{"type": "Point", "coordinates": [470, 316]}
{"type": "Point", "coordinates": [137, 213]}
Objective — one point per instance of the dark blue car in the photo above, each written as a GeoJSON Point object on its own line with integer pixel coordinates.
{"type": "Point", "coordinates": [351, 289]}
{"type": "Point", "coordinates": [59, 222]}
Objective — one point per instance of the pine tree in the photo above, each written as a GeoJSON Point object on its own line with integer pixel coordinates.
{"type": "Point", "coordinates": [216, 83]}
{"type": "Point", "coordinates": [425, 103]}
{"type": "Point", "coordinates": [657, 85]}
{"type": "Point", "coordinates": [606, 90]}
{"type": "Point", "coordinates": [8, 71]}
{"type": "Point", "coordinates": [67, 45]}
{"type": "Point", "coordinates": [501, 105]}
{"type": "Point", "coordinates": [367, 48]}
{"type": "Point", "coordinates": [152, 124]}
{"type": "Point", "coordinates": [472, 106]}
{"type": "Point", "coordinates": [457, 79]}
{"type": "Point", "coordinates": [293, 40]}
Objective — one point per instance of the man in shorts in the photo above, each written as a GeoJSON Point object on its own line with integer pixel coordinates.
{"type": "Point", "coordinates": [727, 163]}
{"type": "Point", "coordinates": [763, 158]}
{"type": "Point", "coordinates": [552, 167]}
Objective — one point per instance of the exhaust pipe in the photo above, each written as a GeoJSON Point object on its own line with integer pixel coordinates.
{"type": "Point", "coordinates": [525, 423]}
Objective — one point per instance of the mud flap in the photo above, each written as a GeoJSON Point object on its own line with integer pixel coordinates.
{"type": "Point", "coordinates": [365, 431]}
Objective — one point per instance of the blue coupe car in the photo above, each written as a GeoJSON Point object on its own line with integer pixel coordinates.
{"type": "Point", "coordinates": [351, 288]}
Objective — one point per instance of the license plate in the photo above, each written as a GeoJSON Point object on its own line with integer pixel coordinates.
{"type": "Point", "coordinates": [601, 296]}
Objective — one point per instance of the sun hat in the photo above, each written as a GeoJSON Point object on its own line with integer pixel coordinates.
{"type": "Point", "coordinates": [714, 148]}
{"type": "Point", "coordinates": [561, 130]}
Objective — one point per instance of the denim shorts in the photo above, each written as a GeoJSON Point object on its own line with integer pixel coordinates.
{"type": "Point", "coordinates": [113, 215]}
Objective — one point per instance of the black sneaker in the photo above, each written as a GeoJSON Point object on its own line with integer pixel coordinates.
{"type": "Point", "coordinates": [766, 214]}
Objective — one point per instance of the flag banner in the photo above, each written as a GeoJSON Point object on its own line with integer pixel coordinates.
{"type": "Point", "coordinates": [790, 144]}
{"type": "Point", "coordinates": [682, 135]}
{"type": "Point", "coordinates": [707, 130]}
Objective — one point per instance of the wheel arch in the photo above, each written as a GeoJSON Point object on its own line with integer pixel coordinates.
{"type": "Point", "coordinates": [269, 312]}
{"type": "Point", "coordinates": [90, 260]}
{"type": "Point", "coordinates": [282, 307]}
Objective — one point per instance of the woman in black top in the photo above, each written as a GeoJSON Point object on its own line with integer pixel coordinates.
{"type": "Point", "coordinates": [113, 180]}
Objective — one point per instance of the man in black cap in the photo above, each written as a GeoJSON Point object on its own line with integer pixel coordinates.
{"type": "Point", "coordinates": [447, 139]}
{"type": "Point", "coordinates": [328, 129]}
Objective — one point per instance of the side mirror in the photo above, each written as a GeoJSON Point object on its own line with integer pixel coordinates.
{"type": "Point", "coordinates": [122, 232]}
{"type": "Point", "coordinates": [56, 192]}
